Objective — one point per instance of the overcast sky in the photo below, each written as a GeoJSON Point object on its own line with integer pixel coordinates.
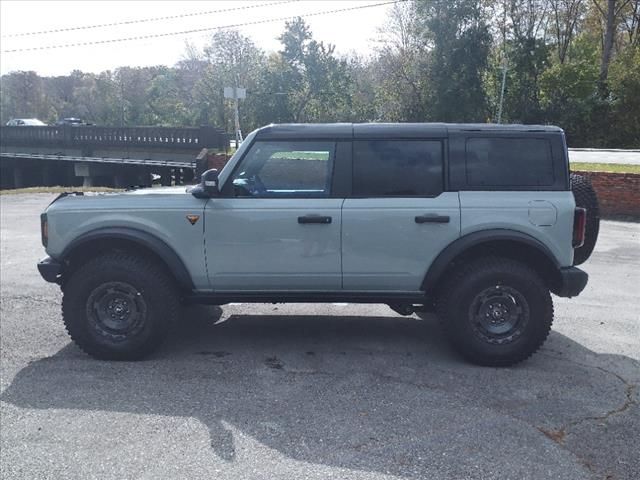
{"type": "Point", "coordinates": [351, 31]}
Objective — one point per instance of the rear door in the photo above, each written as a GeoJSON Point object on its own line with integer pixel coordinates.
{"type": "Point", "coordinates": [398, 217]}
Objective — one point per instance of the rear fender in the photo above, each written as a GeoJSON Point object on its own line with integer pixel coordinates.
{"type": "Point", "coordinates": [539, 255]}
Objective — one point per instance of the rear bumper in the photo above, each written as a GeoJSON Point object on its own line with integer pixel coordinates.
{"type": "Point", "coordinates": [572, 282]}
{"type": "Point", "coordinates": [50, 269]}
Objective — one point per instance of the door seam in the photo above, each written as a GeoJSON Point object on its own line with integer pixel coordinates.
{"type": "Point", "coordinates": [341, 252]}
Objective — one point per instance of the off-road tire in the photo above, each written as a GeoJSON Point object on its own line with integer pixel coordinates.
{"type": "Point", "coordinates": [501, 278]}
{"type": "Point", "coordinates": [131, 283]}
{"type": "Point", "coordinates": [585, 197]}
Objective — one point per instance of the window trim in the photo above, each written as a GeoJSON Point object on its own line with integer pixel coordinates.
{"type": "Point", "coordinates": [443, 164]}
{"type": "Point", "coordinates": [227, 189]}
{"type": "Point", "coordinates": [510, 186]}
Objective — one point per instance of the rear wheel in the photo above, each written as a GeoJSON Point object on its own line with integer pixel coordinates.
{"type": "Point", "coordinates": [118, 306]}
{"type": "Point", "coordinates": [495, 311]}
{"type": "Point", "coordinates": [585, 197]}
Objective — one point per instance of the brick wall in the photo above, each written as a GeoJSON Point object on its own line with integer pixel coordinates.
{"type": "Point", "coordinates": [618, 193]}
{"type": "Point", "coordinates": [217, 160]}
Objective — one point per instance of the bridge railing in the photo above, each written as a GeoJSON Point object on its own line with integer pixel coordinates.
{"type": "Point", "coordinates": [187, 138]}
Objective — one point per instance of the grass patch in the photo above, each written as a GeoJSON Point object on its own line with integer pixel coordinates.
{"type": "Point", "coordinates": [604, 167]}
{"type": "Point", "coordinates": [301, 155]}
{"type": "Point", "coordinates": [58, 189]}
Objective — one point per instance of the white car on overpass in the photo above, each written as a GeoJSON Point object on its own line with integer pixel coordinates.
{"type": "Point", "coordinates": [26, 122]}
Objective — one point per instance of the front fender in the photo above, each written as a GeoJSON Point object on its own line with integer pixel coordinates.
{"type": "Point", "coordinates": [143, 239]}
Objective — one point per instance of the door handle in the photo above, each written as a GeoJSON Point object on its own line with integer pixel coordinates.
{"type": "Point", "coordinates": [321, 219]}
{"type": "Point", "coordinates": [432, 218]}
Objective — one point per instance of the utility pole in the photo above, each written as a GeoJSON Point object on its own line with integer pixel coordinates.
{"type": "Point", "coordinates": [504, 58]}
{"type": "Point", "coordinates": [504, 81]}
{"type": "Point", "coordinates": [236, 93]}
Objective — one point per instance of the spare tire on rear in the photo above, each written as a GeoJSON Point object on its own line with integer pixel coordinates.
{"type": "Point", "coordinates": [586, 197]}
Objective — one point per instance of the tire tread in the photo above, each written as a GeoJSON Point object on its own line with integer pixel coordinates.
{"type": "Point", "coordinates": [159, 284]}
{"type": "Point", "coordinates": [447, 298]}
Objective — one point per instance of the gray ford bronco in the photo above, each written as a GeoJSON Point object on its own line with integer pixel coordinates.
{"type": "Point", "coordinates": [479, 223]}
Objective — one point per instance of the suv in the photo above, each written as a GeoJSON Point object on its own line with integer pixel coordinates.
{"type": "Point", "coordinates": [71, 121]}
{"type": "Point", "coordinates": [476, 222]}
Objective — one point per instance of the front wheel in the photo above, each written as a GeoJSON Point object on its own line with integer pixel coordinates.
{"type": "Point", "coordinates": [495, 311]}
{"type": "Point", "coordinates": [118, 306]}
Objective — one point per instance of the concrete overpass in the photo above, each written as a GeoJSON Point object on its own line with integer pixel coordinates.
{"type": "Point", "coordinates": [108, 156]}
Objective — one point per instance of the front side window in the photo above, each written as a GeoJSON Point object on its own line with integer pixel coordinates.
{"type": "Point", "coordinates": [397, 168]}
{"type": "Point", "coordinates": [285, 169]}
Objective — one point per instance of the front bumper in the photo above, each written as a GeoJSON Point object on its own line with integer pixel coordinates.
{"type": "Point", "coordinates": [50, 269]}
{"type": "Point", "coordinates": [572, 282]}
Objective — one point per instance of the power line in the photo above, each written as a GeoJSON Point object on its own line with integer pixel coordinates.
{"type": "Point", "coordinates": [145, 20]}
{"type": "Point", "coordinates": [196, 30]}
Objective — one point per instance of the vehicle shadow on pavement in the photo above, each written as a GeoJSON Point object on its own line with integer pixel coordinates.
{"type": "Point", "coordinates": [377, 394]}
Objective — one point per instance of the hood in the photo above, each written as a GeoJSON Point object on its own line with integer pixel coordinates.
{"type": "Point", "coordinates": [178, 189]}
{"type": "Point", "coordinates": [155, 198]}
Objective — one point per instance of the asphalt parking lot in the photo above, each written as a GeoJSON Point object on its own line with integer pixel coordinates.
{"type": "Point", "coordinates": [318, 391]}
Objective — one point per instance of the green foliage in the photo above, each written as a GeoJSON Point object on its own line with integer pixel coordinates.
{"type": "Point", "coordinates": [604, 167]}
{"type": "Point", "coordinates": [624, 82]}
{"type": "Point", "coordinates": [569, 97]}
{"type": "Point", "coordinates": [435, 60]}
{"type": "Point", "coordinates": [529, 59]}
{"type": "Point", "coordinates": [401, 70]}
{"type": "Point", "coordinates": [460, 43]}
{"type": "Point", "coordinates": [316, 81]}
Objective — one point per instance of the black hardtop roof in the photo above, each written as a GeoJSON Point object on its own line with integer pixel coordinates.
{"type": "Point", "coordinates": [398, 130]}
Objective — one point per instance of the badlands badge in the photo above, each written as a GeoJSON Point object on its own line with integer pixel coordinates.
{"type": "Point", "coordinates": [193, 219]}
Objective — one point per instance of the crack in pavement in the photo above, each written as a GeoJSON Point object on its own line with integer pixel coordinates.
{"type": "Point", "coordinates": [29, 298]}
{"type": "Point", "coordinates": [558, 436]}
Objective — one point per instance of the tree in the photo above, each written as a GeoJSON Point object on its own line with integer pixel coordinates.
{"type": "Point", "coordinates": [625, 92]}
{"type": "Point", "coordinates": [566, 16]}
{"type": "Point", "coordinates": [526, 56]}
{"type": "Point", "coordinates": [610, 15]}
{"type": "Point", "coordinates": [401, 68]}
{"type": "Point", "coordinates": [630, 14]}
{"type": "Point", "coordinates": [568, 63]}
{"type": "Point", "coordinates": [315, 80]}
{"type": "Point", "coordinates": [569, 96]}
{"type": "Point", "coordinates": [231, 60]}
{"type": "Point", "coordinates": [23, 96]}
{"type": "Point", "coordinates": [458, 36]}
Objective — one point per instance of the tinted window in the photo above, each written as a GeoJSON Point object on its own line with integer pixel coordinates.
{"type": "Point", "coordinates": [517, 162]}
{"type": "Point", "coordinates": [285, 169]}
{"type": "Point", "coordinates": [397, 168]}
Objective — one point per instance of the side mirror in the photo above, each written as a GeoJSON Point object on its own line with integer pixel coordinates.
{"type": "Point", "coordinates": [208, 186]}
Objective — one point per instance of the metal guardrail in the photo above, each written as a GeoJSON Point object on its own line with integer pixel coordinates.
{"type": "Point", "coordinates": [184, 138]}
{"type": "Point", "coordinates": [119, 161]}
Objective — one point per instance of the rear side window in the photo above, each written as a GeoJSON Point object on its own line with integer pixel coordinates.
{"type": "Point", "coordinates": [397, 168]}
{"type": "Point", "coordinates": [518, 162]}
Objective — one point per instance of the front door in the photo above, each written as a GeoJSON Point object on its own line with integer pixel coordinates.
{"type": "Point", "coordinates": [277, 228]}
